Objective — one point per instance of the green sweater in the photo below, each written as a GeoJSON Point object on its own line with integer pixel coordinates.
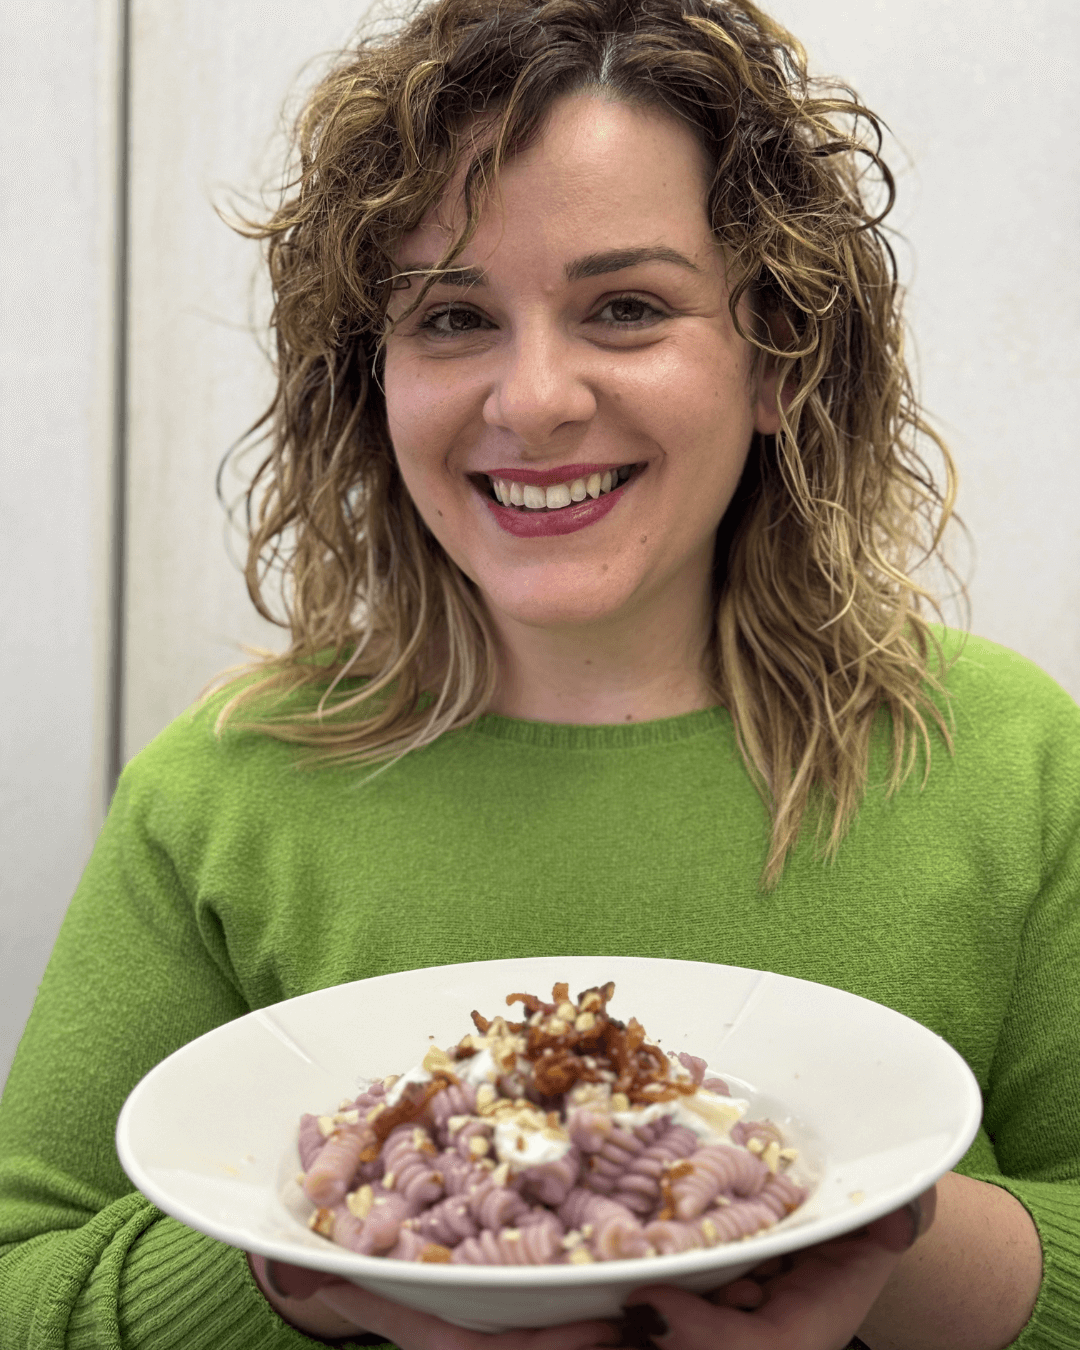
{"type": "Point", "coordinates": [225, 880]}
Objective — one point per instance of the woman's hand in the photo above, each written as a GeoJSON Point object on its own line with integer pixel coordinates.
{"type": "Point", "coordinates": [814, 1299]}
{"type": "Point", "coordinates": [325, 1306]}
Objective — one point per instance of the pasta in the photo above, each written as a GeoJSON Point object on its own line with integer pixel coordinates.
{"type": "Point", "coordinates": [563, 1138]}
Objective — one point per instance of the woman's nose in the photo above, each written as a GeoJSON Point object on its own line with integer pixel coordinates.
{"type": "Point", "coordinates": [539, 387]}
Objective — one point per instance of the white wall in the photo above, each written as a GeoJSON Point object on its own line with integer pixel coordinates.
{"type": "Point", "coordinates": [980, 94]}
{"type": "Point", "coordinates": [206, 100]}
{"type": "Point", "coordinates": [982, 98]}
{"type": "Point", "coordinates": [58, 145]}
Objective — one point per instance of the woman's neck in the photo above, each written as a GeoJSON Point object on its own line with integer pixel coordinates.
{"type": "Point", "coordinates": [638, 671]}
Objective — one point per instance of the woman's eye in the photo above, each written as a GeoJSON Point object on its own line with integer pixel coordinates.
{"type": "Point", "coordinates": [628, 310]}
{"type": "Point", "coordinates": [453, 319]}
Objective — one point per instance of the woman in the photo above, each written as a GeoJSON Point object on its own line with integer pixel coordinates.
{"type": "Point", "coordinates": [683, 704]}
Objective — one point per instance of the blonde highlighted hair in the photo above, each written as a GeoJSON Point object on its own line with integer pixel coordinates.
{"type": "Point", "coordinates": [819, 622]}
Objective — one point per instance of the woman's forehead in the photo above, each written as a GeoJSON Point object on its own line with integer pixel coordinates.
{"type": "Point", "coordinates": [608, 174]}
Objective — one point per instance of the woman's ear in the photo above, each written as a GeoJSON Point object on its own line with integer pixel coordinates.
{"type": "Point", "coordinates": [766, 409]}
{"type": "Point", "coordinates": [766, 412]}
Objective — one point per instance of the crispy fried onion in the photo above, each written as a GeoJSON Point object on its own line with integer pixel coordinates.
{"type": "Point", "coordinates": [569, 1043]}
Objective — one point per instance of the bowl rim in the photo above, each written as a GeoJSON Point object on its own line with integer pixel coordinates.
{"type": "Point", "coordinates": [773, 1241]}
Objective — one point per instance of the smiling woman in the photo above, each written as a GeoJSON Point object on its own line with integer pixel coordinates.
{"type": "Point", "coordinates": [544, 243]}
{"type": "Point", "coordinates": [596, 487]}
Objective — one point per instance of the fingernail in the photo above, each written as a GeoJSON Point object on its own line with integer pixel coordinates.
{"type": "Point", "coordinates": [641, 1323]}
{"type": "Point", "coordinates": [923, 1209]}
{"type": "Point", "coordinates": [270, 1274]}
{"type": "Point", "coordinates": [915, 1210]}
{"type": "Point", "coordinates": [289, 1281]}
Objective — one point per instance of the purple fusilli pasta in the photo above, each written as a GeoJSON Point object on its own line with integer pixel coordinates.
{"type": "Point", "coordinates": [537, 1244]}
{"type": "Point", "coordinates": [639, 1186]}
{"type": "Point", "coordinates": [410, 1154]}
{"type": "Point", "coordinates": [495, 1205]}
{"type": "Point", "coordinates": [527, 1145]}
{"type": "Point", "coordinates": [447, 1222]}
{"type": "Point", "coordinates": [710, 1172]}
{"type": "Point", "coordinates": [616, 1232]}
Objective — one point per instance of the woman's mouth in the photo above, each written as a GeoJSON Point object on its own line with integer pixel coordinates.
{"type": "Point", "coordinates": [529, 511]}
{"type": "Point", "coordinates": [526, 497]}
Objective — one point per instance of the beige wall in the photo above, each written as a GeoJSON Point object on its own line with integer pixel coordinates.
{"type": "Point", "coordinates": [980, 94]}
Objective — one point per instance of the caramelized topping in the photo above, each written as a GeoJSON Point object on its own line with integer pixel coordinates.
{"type": "Point", "coordinates": [566, 1043]}
{"type": "Point", "coordinates": [569, 1043]}
{"type": "Point", "coordinates": [408, 1107]}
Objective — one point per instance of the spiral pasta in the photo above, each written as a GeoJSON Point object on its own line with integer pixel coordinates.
{"type": "Point", "coordinates": [564, 1138]}
{"type": "Point", "coordinates": [536, 1244]}
{"type": "Point", "coordinates": [639, 1186]}
{"type": "Point", "coordinates": [712, 1171]}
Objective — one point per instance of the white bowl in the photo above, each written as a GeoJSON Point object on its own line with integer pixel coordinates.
{"type": "Point", "coordinates": [878, 1105]}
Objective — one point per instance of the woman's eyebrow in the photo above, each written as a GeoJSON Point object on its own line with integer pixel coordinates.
{"type": "Point", "coordinates": [591, 265]}
{"type": "Point", "coordinates": [616, 259]}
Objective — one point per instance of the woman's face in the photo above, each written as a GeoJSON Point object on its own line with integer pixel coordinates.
{"type": "Point", "coordinates": [585, 360]}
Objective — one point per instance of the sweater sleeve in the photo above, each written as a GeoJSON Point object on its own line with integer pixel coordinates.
{"type": "Point", "coordinates": [1030, 1140]}
{"type": "Point", "coordinates": [85, 1260]}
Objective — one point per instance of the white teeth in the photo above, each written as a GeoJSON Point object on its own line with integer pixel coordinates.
{"type": "Point", "coordinates": [559, 494]}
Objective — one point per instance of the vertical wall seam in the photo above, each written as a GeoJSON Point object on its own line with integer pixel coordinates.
{"type": "Point", "coordinates": [121, 306]}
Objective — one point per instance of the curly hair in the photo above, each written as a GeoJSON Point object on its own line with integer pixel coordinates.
{"type": "Point", "coordinates": [819, 625]}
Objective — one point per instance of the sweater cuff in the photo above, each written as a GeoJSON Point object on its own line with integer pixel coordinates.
{"type": "Point", "coordinates": [177, 1289]}
{"type": "Point", "coordinates": [1054, 1207]}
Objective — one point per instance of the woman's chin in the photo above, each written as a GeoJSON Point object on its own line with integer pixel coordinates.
{"type": "Point", "coordinates": [550, 608]}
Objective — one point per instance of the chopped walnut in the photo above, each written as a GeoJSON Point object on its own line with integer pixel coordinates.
{"type": "Point", "coordinates": [437, 1061]}
{"type": "Point", "coordinates": [359, 1202]}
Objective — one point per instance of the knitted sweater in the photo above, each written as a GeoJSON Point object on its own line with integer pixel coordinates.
{"type": "Point", "coordinates": [226, 879]}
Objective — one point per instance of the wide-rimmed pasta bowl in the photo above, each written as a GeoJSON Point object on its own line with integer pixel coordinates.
{"type": "Point", "coordinates": [872, 1108]}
